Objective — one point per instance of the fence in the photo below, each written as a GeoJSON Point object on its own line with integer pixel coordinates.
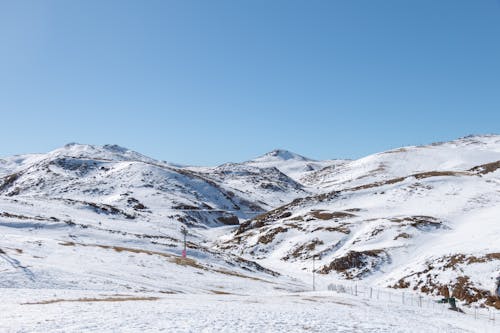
{"type": "Point", "coordinates": [415, 299]}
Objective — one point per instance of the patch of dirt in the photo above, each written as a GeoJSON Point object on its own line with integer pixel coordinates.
{"type": "Point", "coordinates": [24, 217]}
{"type": "Point", "coordinates": [107, 209]}
{"type": "Point", "coordinates": [270, 235]}
{"type": "Point", "coordinates": [172, 258]}
{"type": "Point", "coordinates": [486, 168]}
{"type": "Point", "coordinates": [456, 259]}
{"type": "Point", "coordinates": [19, 251]}
{"type": "Point", "coordinates": [430, 174]}
{"type": "Point", "coordinates": [185, 207]}
{"type": "Point", "coordinates": [421, 175]}
{"type": "Point", "coordinates": [376, 184]}
{"type": "Point", "coordinates": [295, 226]}
{"type": "Point", "coordinates": [270, 216]}
{"type": "Point", "coordinates": [461, 287]}
{"type": "Point", "coordinates": [136, 205]}
{"type": "Point", "coordinates": [377, 231]}
{"type": "Point", "coordinates": [101, 208]}
{"type": "Point", "coordinates": [303, 251]}
{"type": "Point", "coordinates": [355, 210]}
{"type": "Point", "coordinates": [231, 273]}
{"type": "Point", "coordinates": [260, 220]}
{"type": "Point", "coordinates": [322, 215]}
{"type": "Point", "coordinates": [402, 235]}
{"type": "Point", "coordinates": [420, 222]}
{"type": "Point", "coordinates": [341, 228]}
{"type": "Point", "coordinates": [85, 300]}
{"type": "Point", "coordinates": [186, 262]}
{"type": "Point", "coordinates": [397, 150]}
{"type": "Point", "coordinates": [356, 264]}
{"type": "Point", "coordinates": [220, 292]}
{"type": "Point", "coordinates": [229, 220]}
{"type": "Point", "coordinates": [8, 181]}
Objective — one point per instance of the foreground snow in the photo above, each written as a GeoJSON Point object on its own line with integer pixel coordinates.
{"type": "Point", "coordinates": [287, 312]}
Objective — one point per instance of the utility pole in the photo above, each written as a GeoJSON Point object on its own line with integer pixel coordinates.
{"type": "Point", "coordinates": [314, 278]}
{"type": "Point", "coordinates": [184, 232]}
{"type": "Point", "coordinates": [314, 272]}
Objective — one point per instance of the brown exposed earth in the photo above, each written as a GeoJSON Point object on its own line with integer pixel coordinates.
{"type": "Point", "coordinates": [355, 264]}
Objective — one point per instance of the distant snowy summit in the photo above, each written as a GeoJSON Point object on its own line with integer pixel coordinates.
{"type": "Point", "coordinates": [281, 154]}
{"type": "Point", "coordinates": [294, 165]}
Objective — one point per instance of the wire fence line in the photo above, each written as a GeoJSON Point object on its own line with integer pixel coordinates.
{"type": "Point", "coordinates": [418, 300]}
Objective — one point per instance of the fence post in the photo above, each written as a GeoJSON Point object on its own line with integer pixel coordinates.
{"type": "Point", "coordinates": [403, 297]}
{"type": "Point", "coordinates": [371, 292]}
{"type": "Point", "coordinates": [355, 290]}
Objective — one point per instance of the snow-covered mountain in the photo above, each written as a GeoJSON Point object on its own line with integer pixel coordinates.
{"type": "Point", "coordinates": [424, 218]}
{"type": "Point", "coordinates": [105, 217]}
{"type": "Point", "coordinates": [457, 155]}
{"type": "Point", "coordinates": [293, 165]}
{"type": "Point", "coordinates": [75, 216]}
{"type": "Point", "coordinates": [131, 185]}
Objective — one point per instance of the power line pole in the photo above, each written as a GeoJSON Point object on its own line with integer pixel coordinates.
{"type": "Point", "coordinates": [184, 232]}
{"type": "Point", "coordinates": [314, 269]}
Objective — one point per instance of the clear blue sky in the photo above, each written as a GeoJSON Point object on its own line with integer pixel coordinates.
{"type": "Point", "coordinates": [205, 82]}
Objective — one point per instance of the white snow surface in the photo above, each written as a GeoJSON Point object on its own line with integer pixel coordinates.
{"type": "Point", "coordinates": [458, 155]}
{"type": "Point", "coordinates": [93, 222]}
{"type": "Point", "coordinates": [278, 312]}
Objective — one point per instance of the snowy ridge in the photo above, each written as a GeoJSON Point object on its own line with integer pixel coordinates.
{"type": "Point", "coordinates": [293, 165]}
{"type": "Point", "coordinates": [457, 155]}
{"type": "Point", "coordinates": [74, 217]}
{"type": "Point", "coordinates": [107, 218]}
{"type": "Point", "coordinates": [422, 218]}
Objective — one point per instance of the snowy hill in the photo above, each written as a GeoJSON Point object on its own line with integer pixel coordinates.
{"type": "Point", "coordinates": [75, 217]}
{"type": "Point", "coordinates": [423, 218]}
{"type": "Point", "coordinates": [131, 184]}
{"type": "Point", "coordinates": [457, 155]}
{"type": "Point", "coordinates": [107, 218]}
{"type": "Point", "coordinates": [291, 164]}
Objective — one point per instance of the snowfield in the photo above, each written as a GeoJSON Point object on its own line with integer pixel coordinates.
{"type": "Point", "coordinates": [90, 241]}
{"type": "Point", "coordinates": [281, 312]}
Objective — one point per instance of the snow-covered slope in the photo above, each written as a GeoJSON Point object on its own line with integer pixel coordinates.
{"type": "Point", "coordinates": [266, 187]}
{"type": "Point", "coordinates": [424, 218]}
{"type": "Point", "coordinates": [133, 185]}
{"type": "Point", "coordinates": [87, 216]}
{"type": "Point", "coordinates": [107, 218]}
{"type": "Point", "coordinates": [270, 180]}
{"type": "Point", "coordinates": [457, 155]}
{"type": "Point", "coordinates": [293, 165]}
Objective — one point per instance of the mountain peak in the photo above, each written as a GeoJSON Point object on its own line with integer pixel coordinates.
{"type": "Point", "coordinates": [83, 146]}
{"type": "Point", "coordinates": [284, 155]}
{"type": "Point", "coordinates": [108, 151]}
